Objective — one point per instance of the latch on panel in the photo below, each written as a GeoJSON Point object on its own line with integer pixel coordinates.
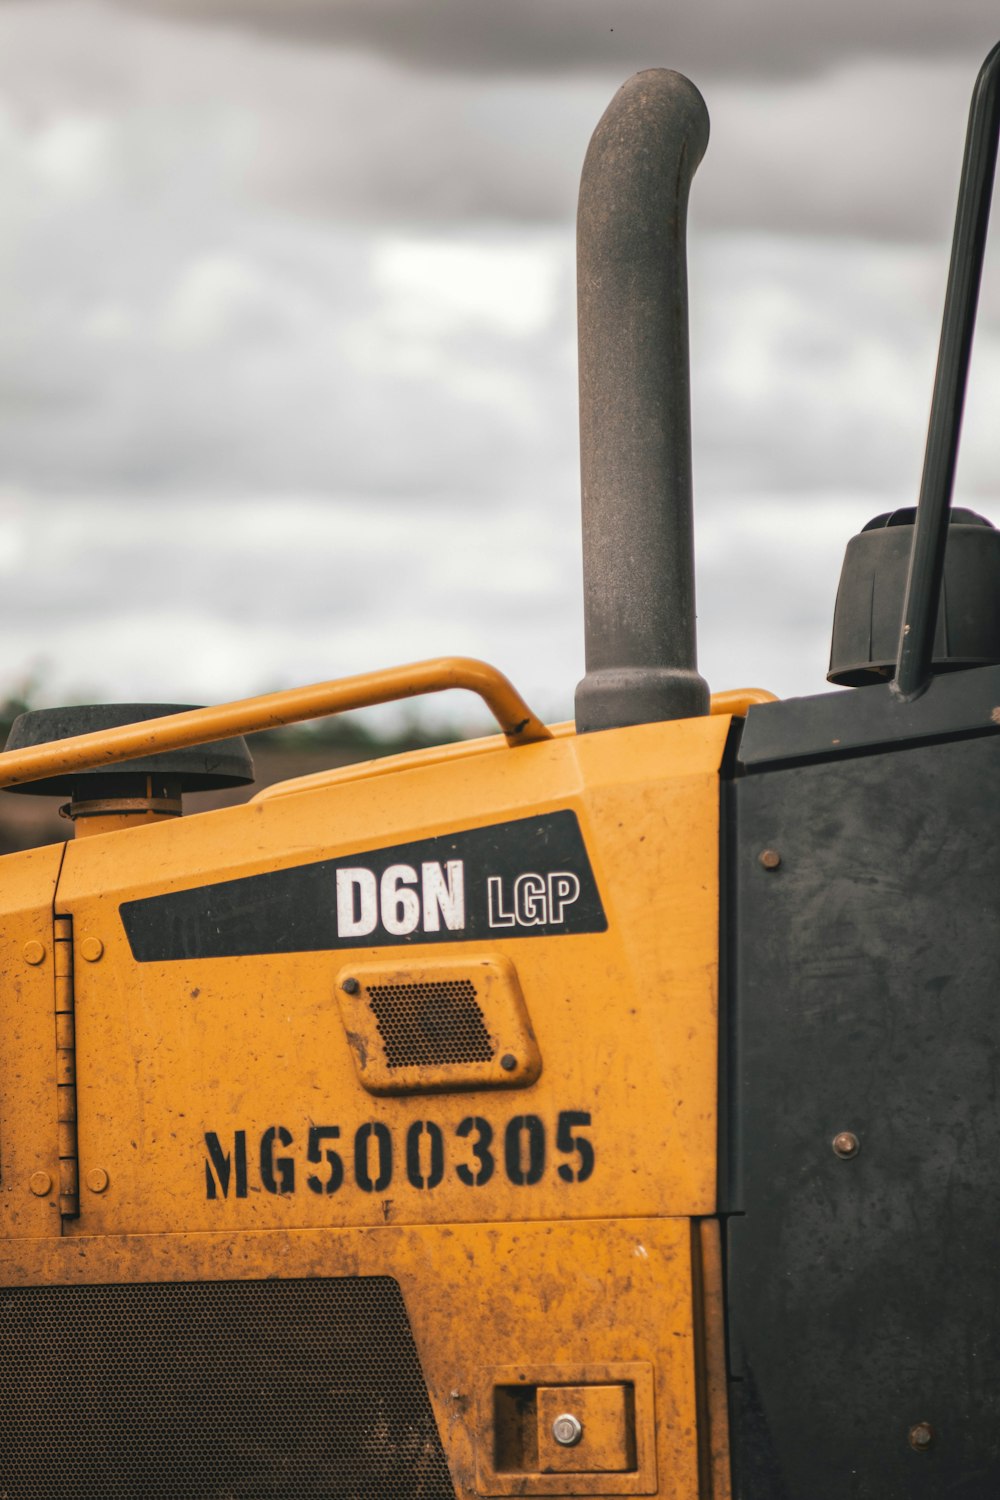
{"type": "Point", "coordinates": [581, 1430]}
{"type": "Point", "coordinates": [586, 1429]}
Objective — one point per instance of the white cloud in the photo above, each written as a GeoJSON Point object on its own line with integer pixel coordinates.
{"type": "Point", "coordinates": [71, 152]}
{"type": "Point", "coordinates": [225, 298]}
{"type": "Point", "coordinates": [449, 286]}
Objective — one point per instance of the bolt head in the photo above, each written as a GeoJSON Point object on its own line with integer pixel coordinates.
{"type": "Point", "coordinates": [508, 1062]}
{"type": "Point", "coordinates": [34, 952]}
{"type": "Point", "coordinates": [769, 858]}
{"type": "Point", "coordinates": [921, 1436]}
{"type": "Point", "coordinates": [350, 986]}
{"type": "Point", "coordinates": [97, 1180]}
{"type": "Point", "coordinates": [567, 1430]}
{"type": "Point", "coordinates": [846, 1144]}
{"type": "Point", "coordinates": [92, 948]}
{"type": "Point", "coordinates": [40, 1184]}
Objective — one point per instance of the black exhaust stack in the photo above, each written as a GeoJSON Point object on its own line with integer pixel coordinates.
{"type": "Point", "coordinates": [635, 418]}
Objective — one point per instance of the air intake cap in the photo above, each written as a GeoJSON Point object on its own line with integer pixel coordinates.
{"type": "Point", "coordinates": [869, 609]}
{"type": "Point", "coordinates": [195, 768]}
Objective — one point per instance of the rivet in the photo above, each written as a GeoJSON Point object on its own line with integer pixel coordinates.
{"type": "Point", "coordinates": [350, 986]}
{"type": "Point", "coordinates": [92, 948]}
{"type": "Point", "coordinates": [846, 1144]}
{"type": "Point", "coordinates": [921, 1435]}
{"type": "Point", "coordinates": [40, 1183]}
{"type": "Point", "coordinates": [508, 1062]}
{"type": "Point", "coordinates": [567, 1430]}
{"type": "Point", "coordinates": [97, 1179]}
{"type": "Point", "coordinates": [769, 858]}
{"type": "Point", "coordinates": [34, 952]}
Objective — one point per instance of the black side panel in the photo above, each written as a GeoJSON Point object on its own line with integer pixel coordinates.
{"type": "Point", "coordinates": [864, 1292]}
{"type": "Point", "coordinates": [868, 719]}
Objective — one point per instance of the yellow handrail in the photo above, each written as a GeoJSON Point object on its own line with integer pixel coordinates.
{"type": "Point", "coordinates": [736, 701]}
{"type": "Point", "coordinates": [198, 726]}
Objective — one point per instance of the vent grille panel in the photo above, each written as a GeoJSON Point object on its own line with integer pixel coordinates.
{"type": "Point", "coordinates": [430, 1025]}
{"type": "Point", "coordinates": [271, 1390]}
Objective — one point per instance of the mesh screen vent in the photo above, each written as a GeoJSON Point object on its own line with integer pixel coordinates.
{"type": "Point", "coordinates": [252, 1390]}
{"type": "Point", "coordinates": [426, 1025]}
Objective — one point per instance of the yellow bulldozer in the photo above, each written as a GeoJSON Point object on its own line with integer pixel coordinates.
{"type": "Point", "coordinates": [602, 1109]}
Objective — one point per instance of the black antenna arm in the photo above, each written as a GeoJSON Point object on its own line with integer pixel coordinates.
{"type": "Point", "coordinates": [930, 534]}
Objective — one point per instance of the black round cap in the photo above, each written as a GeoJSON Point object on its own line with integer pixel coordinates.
{"type": "Point", "coordinates": [869, 610]}
{"type": "Point", "coordinates": [198, 768]}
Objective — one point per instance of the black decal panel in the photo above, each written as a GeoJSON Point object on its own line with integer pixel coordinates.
{"type": "Point", "coordinates": [527, 878]}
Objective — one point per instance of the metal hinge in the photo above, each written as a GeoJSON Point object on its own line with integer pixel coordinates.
{"type": "Point", "coordinates": [69, 1165]}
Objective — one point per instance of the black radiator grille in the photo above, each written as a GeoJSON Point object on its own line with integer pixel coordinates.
{"type": "Point", "coordinates": [430, 1025]}
{"type": "Point", "coordinates": [226, 1390]}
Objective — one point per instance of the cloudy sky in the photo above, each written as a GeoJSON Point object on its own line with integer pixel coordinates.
{"type": "Point", "coordinates": [287, 363]}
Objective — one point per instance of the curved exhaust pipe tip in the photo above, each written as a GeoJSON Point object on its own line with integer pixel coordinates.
{"type": "Point", "coordinates": [635, 416]}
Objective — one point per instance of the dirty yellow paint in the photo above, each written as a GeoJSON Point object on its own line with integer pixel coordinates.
{"type": "Point", "coordinates": [482, 1299]}
{"type": "Point", "coordinates": [542, 1220]}
{"type": "Point", "coordinates": [716, 1396]}
{"type": "Point", "coordinates": [29, 1162]}
{"type": "Point", "coordinates": [625, 1020]}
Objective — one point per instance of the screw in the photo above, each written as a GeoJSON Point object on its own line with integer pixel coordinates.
{"type": "Point", "coordinates": [769, 858]}
{"type": "Point", "coordinates": [508, 1062]}
{"type": "Point", "coordinates": [567, 1430]}
{"type": "Point", "coordinates": [350, 986]}
{"type": "Point", "coordinates": [846, 1144]}
{"type": "Point", "coordinates": [921, 1436]}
